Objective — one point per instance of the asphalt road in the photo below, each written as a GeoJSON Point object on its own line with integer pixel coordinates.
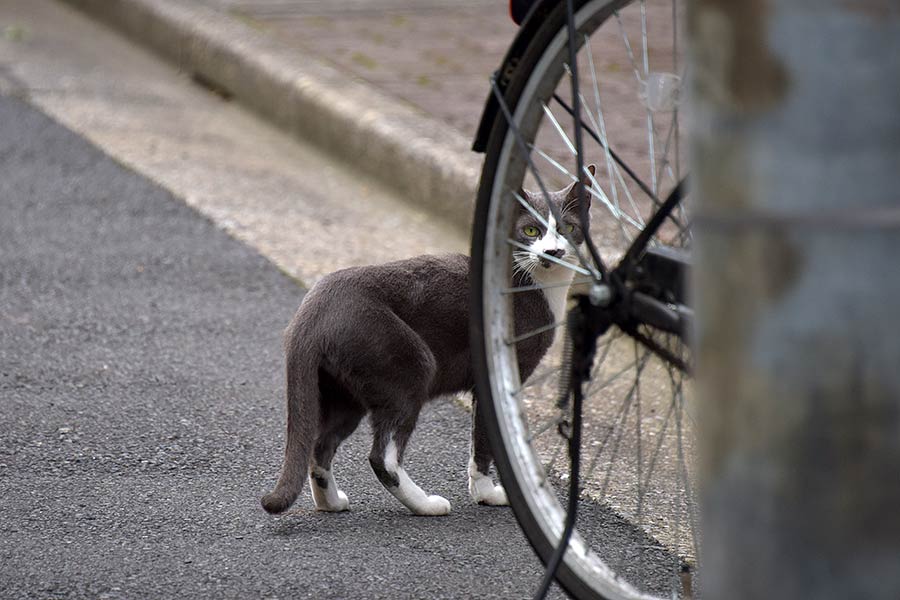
{"type": "Point", "coordinates": [141, 415]}
{"type": "Point", "coordinates": [142, 412]}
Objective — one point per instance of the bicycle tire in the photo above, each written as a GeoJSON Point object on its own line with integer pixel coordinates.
{"type": "Point", "coordinates": [544, 47]}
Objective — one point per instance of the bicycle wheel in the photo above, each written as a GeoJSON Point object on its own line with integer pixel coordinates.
{"type": "Point", "coordinates": [636, 535]}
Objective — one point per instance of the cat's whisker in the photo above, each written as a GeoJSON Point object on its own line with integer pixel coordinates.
{"type": "Point", "coordinates": [522, 262]}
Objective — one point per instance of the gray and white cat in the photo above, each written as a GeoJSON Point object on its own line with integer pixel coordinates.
{"type": "Point", "coordinates": [383, 340]}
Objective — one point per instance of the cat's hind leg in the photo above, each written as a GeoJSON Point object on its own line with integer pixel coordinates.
{"type": "Point", "coordinates": [326, 495]}
{"type": "Point", "coordinates": [390, 368]}
{"type": "Point", "coordinates": [391, 434]}
{"type": "Point", "coordinates": [481, 487]}
{"type": "Point", "coordinates": [340, 419]}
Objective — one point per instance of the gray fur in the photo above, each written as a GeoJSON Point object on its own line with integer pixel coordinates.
{"type": "Point", "coordinates": [383, 340]}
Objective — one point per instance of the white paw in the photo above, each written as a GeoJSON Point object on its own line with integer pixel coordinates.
{"type": "Point", "coordinates": [433, 506]}
{"type": "Point", "coordinates": [497, 497]}
{"type": "Point", "coordinates": [341, 504]}
{"type": "Point", "coordinates": [483, 491]}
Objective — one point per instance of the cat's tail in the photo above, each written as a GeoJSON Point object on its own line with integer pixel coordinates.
{"type": "Point", "coordinates": [302, 426]}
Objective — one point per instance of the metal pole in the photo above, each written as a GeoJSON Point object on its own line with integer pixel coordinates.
{"type": "Point", "coordinates": [796, 154]}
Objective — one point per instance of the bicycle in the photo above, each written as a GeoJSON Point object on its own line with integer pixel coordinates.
{"type": "Point", "coordinates": [629, 320]}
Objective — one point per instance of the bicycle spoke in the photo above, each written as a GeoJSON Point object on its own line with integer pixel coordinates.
{"type": "Point", "coordinates": [606, 346]}
{"type": "Point", "coordinates": [595, 189]}
{"type": "Point", "coordinates": [520, 142]}
{"type": "Point", "coordinates": [543, 428]}
{"type": "Point", "coordinates": [641, 82]}
{"type": "Point", "coordinates": [556, 419]}
{"type": "Point", "coordinates": [664, 165]}
{"type": "Point", "coordinates": [640, 183]}
{"type": "Point", "coordinates": [596, 193]}
{"type": "Point", "coordinates": [675, 70]}
{"type": "Point", "coordinates": [535, 379]}
{"type": "Point", "coordinates": [617, 442]}
{"type": "Point", "coordinates": [628, 170]}
{"type": "Point", "coordinates": [534, 332]}
{"type": "Point", "coordinates": [613, 378]}
{"type": "Point", "coordinates": [621, 180]}
{"type": "Point", "coordinates": [599, 272]}
{"type": "Point", "coordinates": [559, 130]}
{"type": "Point", "coordinates": [645, 54]}
{"type": "Point", "coordinates": [548, 467]}
{"type": "Point", "coordinates": [602, 125]}
{"type": "Point", "coordinates": [634, 66]}
{"type": "Point", "coordinates": [651, 145]}
{"type": "Point", "coordinates": [629, 400]}
{"type": "Point", "coordinates": [672, 140]}
{"type": "Point", "coordinates": [659, 442]}
{"type": "Point", "coordinates": [543, 286]}
{"type": "Point", "coordinates": [639, 445]}
{"type": "Point", "coordinates": [598, 363]}
{"type": "Point", "coordinates": [620, 418]}
{"type": "Point", "coordinates": [685, 479]}
{"type": "Point", "coordinates": [603, 350]}
{"type": "Point", "coordinates": [615, 167]}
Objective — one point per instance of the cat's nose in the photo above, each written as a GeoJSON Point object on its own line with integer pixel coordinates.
{"type": "Point", "coordinates": [555, 253]}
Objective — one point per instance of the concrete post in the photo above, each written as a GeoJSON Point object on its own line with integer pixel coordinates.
{"type": "Point", "coordinates": [796, 174]}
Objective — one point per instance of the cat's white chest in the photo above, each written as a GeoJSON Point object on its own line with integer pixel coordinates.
{"type": "Point", "coordinates": [557, 292]}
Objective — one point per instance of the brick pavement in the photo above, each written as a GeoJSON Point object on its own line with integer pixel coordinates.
{"type": "Point", "coordinates": [434, 55]}
{"type": "Point", "coordinates": [438, 56]}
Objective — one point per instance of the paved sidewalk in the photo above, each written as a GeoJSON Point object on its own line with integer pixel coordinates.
{"type": "Point", "coordinates": [432, 54]}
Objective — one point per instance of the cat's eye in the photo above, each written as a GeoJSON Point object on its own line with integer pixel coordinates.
{"type": "Point", "coordinates": [531, 231]}
{"type": "Point", "coordinates": [567, 228]}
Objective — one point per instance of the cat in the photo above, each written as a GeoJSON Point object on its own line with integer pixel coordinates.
{"type": "Point", "coordinates": [384, 339]}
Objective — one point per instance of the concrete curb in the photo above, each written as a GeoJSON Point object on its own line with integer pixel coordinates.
{"type": "Point", "coordinates": [425, 160]}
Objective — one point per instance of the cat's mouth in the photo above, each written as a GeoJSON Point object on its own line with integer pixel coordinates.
{"type": "Point", "coordinates": [549, 264]}
{"type": "Point", "coordinates": [551, 258]}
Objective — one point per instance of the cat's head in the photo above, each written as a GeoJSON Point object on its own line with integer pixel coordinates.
{"type": "Point", "coordinates": [533, 232]}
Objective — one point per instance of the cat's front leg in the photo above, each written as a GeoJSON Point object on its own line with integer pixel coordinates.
{"type": "Point", "coordinates": [481, 486]}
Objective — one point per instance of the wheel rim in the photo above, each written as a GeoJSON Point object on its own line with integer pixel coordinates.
{"type": "Point", "coordinates": [524, 421]}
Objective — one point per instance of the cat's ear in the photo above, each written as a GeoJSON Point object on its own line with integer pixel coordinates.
{"type": "Point", "coordinates": [572, 195]}
{"type": "Point", "coordinates": [524, 195]}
